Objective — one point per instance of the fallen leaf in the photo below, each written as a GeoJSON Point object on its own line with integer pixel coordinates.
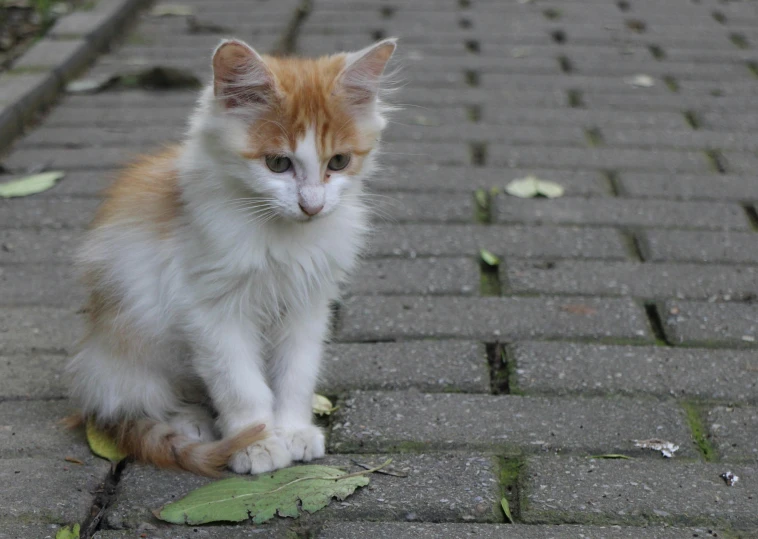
{"type": "Point", "coordinates": [282, 492]}
{"type": "Point", "coordinates": [482, 200]}
{"type": "Point", "coordinates": [506, 509]}
{"type": "Point", "coordinates": [532, 186]}
{"type": "Point", "coordinates": [611, 456]}
{"type": "Point", "coordinates": [322, 406]}
{"type": "Point", "coordinates": [729, 478]}
{"type": "Point", "coordinates": [640, 81]}
{"type": "Point", "coordinates": [161, 78]}
{"type": "Point", "coordinates": [91, 85]}
{"type": "Point", "coordinates": [667, 449]}
{"type": "Point", "coordinates": [489, 258]}
{"type": "Point", "coordinates": [578, 308]}
{"type": "Point", "coordinates": [30, 185]}
{"type": "Point", "coordinates": [102, 444]}
{"type": "Point", "coordinates": [73, 460]}
{"type": "Point", "coordinates": [195, 26]}
{"type": "Point", "coordinates": [171, 10]}
{"type": "Point", "coordinates": [68, 532]}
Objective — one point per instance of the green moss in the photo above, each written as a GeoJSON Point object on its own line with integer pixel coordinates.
{"type": "Point", "coordinates": [699, 432]}
{"type": "Point", "coordinates": [410, 447]}
{"type": "Point", "coordinates": [509, 469]}
{"type": "Point", "coordinates": [482, 206]}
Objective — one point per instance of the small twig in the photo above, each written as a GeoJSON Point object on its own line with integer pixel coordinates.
{"type": "Point", "coordinates": [377, 470]}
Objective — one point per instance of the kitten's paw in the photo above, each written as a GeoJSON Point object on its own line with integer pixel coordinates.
{"type": "Point", "coordinates": [304, 443]}
{"type": "Point", "coordinates": [264, 456]}
{"type": "Point", "coordinates": [194, 422]}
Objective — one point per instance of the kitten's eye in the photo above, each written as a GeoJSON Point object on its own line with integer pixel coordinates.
{"type": "Point", "coordinates": [339, 161]}
{"type": "Point", "coordinates": [278, 163]}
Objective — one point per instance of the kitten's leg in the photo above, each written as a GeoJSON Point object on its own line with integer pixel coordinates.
{"type": "Point", "coordinates": [195, 422]}
{"type": "Point", "coordinates": [228, 358]}
{"type": "Point", "coordinates": [294, 375]}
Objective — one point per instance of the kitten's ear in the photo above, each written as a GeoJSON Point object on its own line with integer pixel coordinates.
{"type": "Point", "coordinates": [363, 71]}
{"type": "Point", "coordinates": [240, 76]}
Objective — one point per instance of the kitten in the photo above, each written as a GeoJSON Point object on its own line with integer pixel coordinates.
{"type": "Point", "coordinates": [212, 264]}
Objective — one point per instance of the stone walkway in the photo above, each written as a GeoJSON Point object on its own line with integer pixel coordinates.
{"type": "Point", "coordinates": [625, 310]}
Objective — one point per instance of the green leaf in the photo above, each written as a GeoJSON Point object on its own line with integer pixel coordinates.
{"type": "Point", "coordinates": [322, 406]}
{"type": "Point", "coordinates": [611, 456]}
{"type": "Point", "coordinates": [261, 498]}
{"type": "Point", "coordinates": [506, 509]}
{"type": "Point", "coordinates": [489, 258]}
{"type": "Point", "coordinates": [532, 186]}
{"type": "Point", "coordinates": [549, 189]}
{"type": "Point", "coordinates": [30, 185]}
{"type": "Point", "coordinates": [68, 532]}
{"type": "Point", "coordinates": [482, 199]}
{"type": "Point", "coordinates": [102, 444]}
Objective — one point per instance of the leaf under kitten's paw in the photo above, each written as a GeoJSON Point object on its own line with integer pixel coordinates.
{"type": "Point", "coordinates": [306, 443]}
{"type": "Point", "coordinates": [264, 456]}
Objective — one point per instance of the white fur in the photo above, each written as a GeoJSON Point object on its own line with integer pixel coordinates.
{"type": "Point", "coordinates": [233, 305]}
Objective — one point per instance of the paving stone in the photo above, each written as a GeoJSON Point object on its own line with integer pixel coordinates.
{"type": "Point", "coordinates": [698, 140]}
{"type": "Point", "coordinates": [114, 117]}
{"type": "Point", "coordinates": [423, 208]}
{"type": "Point", "coordinates": [692, 322]}
{"type": "Point", "coordinates": [644, 280]}
{"type": "Point", "coordinates": [475, 132]}
{"type": "Point", "coordinates": [688, 187]}
{"type": "Point", "coordinates": [64, 57]}
{"type": "Point", "coordinates": [49, 489]}
{"type": "Point", "coordinates": [637, 492]}
{"type": "Point", "coordinates": [22, 530]}
{"type": "Point", "coordinates": [700, 246]}
{"type": "Point", "coordinates": [361, 530]}
{"type": "Point", "coordinates": [87, 137]}
{"type": "Point", "coordinates": [71, 158]}
{"type": "Point", "coordinates": [396, 421]}
{"type": "Point", "coordinates": [24, 329]}
{"type": "Point", "coordinates": [587, 118]}
{"type": "Point", "coordinates": [47, 212]}
{"type": "Point", "coordinates": [410, 317]}
{"type": "Point", "coordinates": [205, 532]}
{"type": "Point", "coordinates": [34, 376]}
{"type": "Point", "coordinates": [50, 285]}
{"type": "Point", "coordinates": [621, 212]}
{"type": "Point", "coordinates": [521, 241]}
{"type": "Point", "coordinates": [561, 368]}
{"type": "Point", "coordinates": [38, 245]}
{"type": "Point", "coordinates": [424, 365]}
{"type": "Point", "coordinates": [440, 487]}
{"type": "Point", "coordinates": [419, 276]}
{"type": "Point", "coordinates": [734, 431]}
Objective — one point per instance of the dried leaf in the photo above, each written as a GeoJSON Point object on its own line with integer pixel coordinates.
{"type": "Point", "coordinates": [68, 532]}
{"type": "Point", "coordinates": [640, 81]}
{"type": "Point", "coordinates": [667, 449]}
{"type": "Point", "coordinates": [322, 406]}
{"type": "Point", "coordinates": [532, 186]}
{"type": "Point", "coordinates": [578, 309]}
{"type": "Point", "coordinates": [506, 509]}
{"type": "Point", "coordinates": [489, 258]}
{"type": "Point", "coordinates": [30, 185]}
{"type": "Point", "coordinates": [102, 444]}
{"type": "Point", "coordinates": [73, 460]}
{"type": "Point", "coordinates": [611, 456]}
{"type": "Point", "coordinates": [282, 492]}
{"type": "Point", "coordinates": [172, 10]}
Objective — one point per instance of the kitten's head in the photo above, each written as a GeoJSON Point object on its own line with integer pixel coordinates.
{"type": "Point", "coordinates": [296, 132]}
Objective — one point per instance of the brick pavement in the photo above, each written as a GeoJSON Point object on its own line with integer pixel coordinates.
{"type": "Point", "coordinates": [625, 310]}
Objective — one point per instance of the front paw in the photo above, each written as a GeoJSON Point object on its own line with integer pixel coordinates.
{"type": "Point", "coordinates": [304, 443]}
{"type": "Point", "coordinates": [264, 456]}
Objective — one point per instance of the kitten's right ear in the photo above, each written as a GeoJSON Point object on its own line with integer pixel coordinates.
{"type": "Point", "coordinates": [240, 76]}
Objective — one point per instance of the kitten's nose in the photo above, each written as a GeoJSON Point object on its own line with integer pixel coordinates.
{"type": "Point", "coordinates": [311, 209]}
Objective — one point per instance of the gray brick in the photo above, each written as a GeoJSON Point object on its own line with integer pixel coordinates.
{"type": "Point", "coordinates": [587, 118]}
{"type": "Point", "coordinates": [621, 212]}
{"type": "Point", "coordinates": [86, 137]}
{"type": "Point", "coordinates": [688, 187]}
{"type": "Point", "coordinates": [24, 329]}
{"type": "Point", "coordinates": [34, 246]}
{"type": "Point", "coordinates": [440, 487]}
{"type": "Point", "coordinates": [700, 246]}
{"type": "Point", "coordinates": [128, 100]}
{"type": "Point", "coordinates": [680, 70]}
{"type": "Point", "coordinates": [636, 492]}
{"type": "Point", "coordinates": [207, 532]}
{"type": "Point", "coordinates": [730, 122]}
{"type": "Point", "coordinates": [734, 432]}
{"type": "Point", "coordinates": [505, 96]}
{"type": "Point", "coordinates": [740, 162]}
{"type": "Point", "coordinates": [527, 241]}
{"type": "Point", "coordinates": [700, 139]}
{"type": "Point", "coordinates": [27, 92]}
{"type": "Point", "coordinates": [47, 212]}
{"type": "Point", "coordinates": [671, 102]}
{"type": "Point", "coordinates": [400, 317]}
{"type": "Point", "coordinates": [643, 280]}
{"type": "Point", "coordinates": [379, 421]}
{"type": "Point", "coordinates": [34, 376]}
{"type": "Point", "coordinates": [49, 490]}
{"type": "Point", "coordinates": [420, 276]}
{"type": "Point", "coordinates": [424, 365]}
{"type": "Point", "coordinates": [71, 159]}
{"type": "Point", "coordinates": [616, 85]}
{"type": "Point", "coordinates": [549, 368]}
{"type": "Point", "coordinates": [474, 132]}
{"type": "Point", "coordinates": [361, 530]}
{"type": "Point", "coordinates": [64, 57]}
{"type": "Point", "coordinates": [13, 529]}
{"type": "Point", "coordinates": [50, 285]}
{"type": "Point", "coordinates": [693, 322]}
{"type": "Point", "coordinates": [112, 117]}
{"type": "Point", "coordinates": [422, 207]}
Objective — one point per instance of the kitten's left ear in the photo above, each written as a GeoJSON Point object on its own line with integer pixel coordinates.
{"type": "Point", "coordinates": [240, 75]}
{"type": "Point", "coordinates": [363, 71]}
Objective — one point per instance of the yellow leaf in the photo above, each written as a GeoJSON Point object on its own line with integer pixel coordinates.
{"type": "Point", "coordinates": [30, 185]}
{"type": "Point", "coordinates": [102, 444]}
{"type": "Point", "coordinates": [322, 406]}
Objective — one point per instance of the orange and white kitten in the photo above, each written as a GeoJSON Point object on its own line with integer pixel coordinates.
{"type": "Point", "coordinates": [211, 265]}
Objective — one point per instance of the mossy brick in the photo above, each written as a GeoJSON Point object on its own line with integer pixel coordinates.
{"type": "Point", "coordinates": [621, 212]}
{"type": "Point", "coordinates": [432, 276]}
{"type": "Point", "coordinates": [562, 368]}
{"type": "Point", "coordinates": [649, 280]}
{"type": "Point", "coordinates": [522, 241]}
{"type": "Point", "coordinates": [379, 421]}
{"type": "Point", "coordinates": [687, 186]}
{"type": "Point", "coordinates": [708, 323]}
{"type": "Point", "coordinates": [734, 432]}
{"type": "Point", "coordinates": [638, 492]}
{"type": "Point", "coordinates": [38, 329]}
{"type": "Point", "coordinates": [32, 376]}
{"type": "Point", "coordinates": [700, 246]}
{"type": "Point", "coordinates": [423, 365]}
{"type": "Point", "coordinates": [49, 490]}
{"type": "Point", "coordinates": [491, 318]}
{"type": "Point", "coordinates": [439, 487]}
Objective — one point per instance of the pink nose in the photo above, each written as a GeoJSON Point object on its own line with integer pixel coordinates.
{"type": "Point", "coordinates": [309, 210]}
